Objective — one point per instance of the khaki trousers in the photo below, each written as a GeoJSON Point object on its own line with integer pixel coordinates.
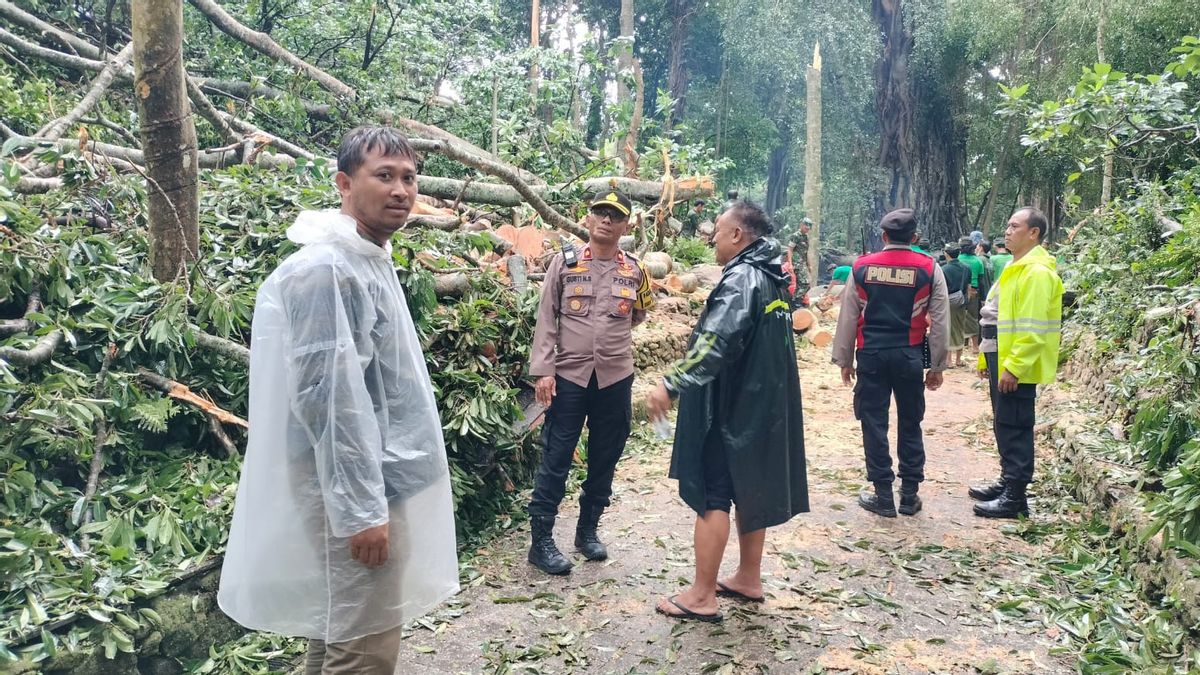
{"type": "Point", "coordinates": [370, 655]}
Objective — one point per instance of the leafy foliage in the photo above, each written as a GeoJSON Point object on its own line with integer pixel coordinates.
{"type": "Point", "coordinates": [166, 492]}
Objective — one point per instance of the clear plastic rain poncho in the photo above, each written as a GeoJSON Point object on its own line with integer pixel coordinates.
{"type": "Point", "coordinates": [344, 436]}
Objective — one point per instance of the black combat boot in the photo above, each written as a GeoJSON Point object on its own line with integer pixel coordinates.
{"type": "Point", "coordinates": [586, 540]}
{"type": "Point", "coordinates": [1010, 504]}
{"type": "Point", "coordinates": [880, 501]}
{"type": "Point", "coordinates": [986, 493]}
{"type": "Point", "coordinates": [910, 503]}
{"type": "Point", "coordinates": [543, 554]}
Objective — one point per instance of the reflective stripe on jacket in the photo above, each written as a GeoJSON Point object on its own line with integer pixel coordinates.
{"type": "Point", "coordinates": [1030, 318]}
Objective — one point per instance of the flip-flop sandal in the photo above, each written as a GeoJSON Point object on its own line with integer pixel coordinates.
{"type": "Point", "coordinates": [727, 592]}
{"type": "Point", "coordinates": [689, 614]}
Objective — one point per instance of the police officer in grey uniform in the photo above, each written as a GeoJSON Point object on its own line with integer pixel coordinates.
{"type": "Point", "coordinates": [582, 355]}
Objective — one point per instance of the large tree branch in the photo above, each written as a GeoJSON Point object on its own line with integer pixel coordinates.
{"type": "Point", "coordinates": [50, 55]}
{"type": "Point", "coordinates": [220, 345]}
{"type": "Point", "coordinates": [39, 352]}
{"type": "Point", "coordinates": [437, 133]}
{"type": "Point", "coordinates": [209, 112]}
{"type": "Point", "coordinates": [24, 324]}
{"type": "Point", "coordinates": [54, 130]}
{"type": "Point", "coordinates": [510, 176]}
{"type": "Point", "coordinates": [246, 90]}
{"type": "Point", "coordinates": [30, 22]}
{"type": "Point", "coordinates": [263, 43]}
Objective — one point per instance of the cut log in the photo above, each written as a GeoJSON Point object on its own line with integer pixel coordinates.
{"type": "Point", "coordinates": [821, 337]}
{"type": "Point", "coordinates": [657, 269]}
{"type": "Point", "coordinates": [661, 258]}
{"type": "Point", "coordinates": [803, 319]}
{"type": "Point", "coordinates": [451, 285]}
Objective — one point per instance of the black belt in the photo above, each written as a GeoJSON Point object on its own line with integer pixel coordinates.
{"type": "Point", "coordinates": [987, 332]}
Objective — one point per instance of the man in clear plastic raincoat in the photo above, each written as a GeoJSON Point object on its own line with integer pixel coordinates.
{"type": "Point", "coordinates": [343, 527]}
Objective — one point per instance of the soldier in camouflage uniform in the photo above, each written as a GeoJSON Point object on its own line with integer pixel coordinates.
{"type": "Point", "coordinates": [796, 263]}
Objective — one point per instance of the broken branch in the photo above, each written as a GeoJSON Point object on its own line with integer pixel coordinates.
{"type": "Point", "coordinates": [54, 130]}
{"type": "Point", "coordinates": [41, 351]}
{"type": "Point", "coordinates": [181, 392]}
{"type": "Point", "coordinates": [264, 44]}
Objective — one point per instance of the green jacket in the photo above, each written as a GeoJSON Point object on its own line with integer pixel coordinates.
{"type": "Point", "coordinates": [999, 262]}
{"type": "Point", "coordinates": [1029, 325]}
{"type": "Point", "coordinates": [975, 264]}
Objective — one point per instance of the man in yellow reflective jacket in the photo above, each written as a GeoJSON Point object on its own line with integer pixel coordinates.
{"type": "Point", "coordinates": [1028, 327]}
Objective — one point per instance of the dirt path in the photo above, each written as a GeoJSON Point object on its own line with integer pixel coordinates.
{"type": "Point", "coordinates": [847, 591]}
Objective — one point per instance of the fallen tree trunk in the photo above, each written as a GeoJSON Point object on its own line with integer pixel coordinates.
{"type": "Point", "coordinates": [209, 112]}
{"type": "Point", "coordinates": [509, 175]}
{"type": "Point", "coordinates": [444, 223]}
{"type": "Point", "coordinates": [264, 44]}
{"type": "Point", "coordinates": [439, 134]}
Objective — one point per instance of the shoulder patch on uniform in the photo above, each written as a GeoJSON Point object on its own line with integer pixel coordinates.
{"type": "Point", "coordinates": [645, 292]}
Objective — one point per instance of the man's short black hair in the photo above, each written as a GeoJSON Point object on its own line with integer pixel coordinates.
{"type": "Point", "coordinates": [360, 141]}
{"type": "Point", "coordinates": [987, 248]}
{"type": "Point", "coordinates": [952, 251]}
{"type": "Point", "coordinates": [700, 202]}
{"type": "Point", "coordinates": [1035, 218]}
{"type": "Point", "coordinates": [752, 217]}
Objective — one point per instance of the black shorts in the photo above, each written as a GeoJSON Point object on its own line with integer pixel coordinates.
{"type": "Point", "coordinates": [718, 482]}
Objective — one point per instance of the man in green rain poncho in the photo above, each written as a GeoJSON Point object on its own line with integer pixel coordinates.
{"type": "Point", "coordinates": [740, 434]}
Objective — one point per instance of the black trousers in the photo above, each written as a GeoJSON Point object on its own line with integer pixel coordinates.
{"type": "Point", "coordinates": [608, 413]}
{"type": "Point", "coordinates": [882, 374]}
{"type": "Point", "coordinates": [1013, 417]}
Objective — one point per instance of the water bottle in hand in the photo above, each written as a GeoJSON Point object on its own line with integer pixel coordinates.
{"type": "Point", "coordinates": [662, 428]}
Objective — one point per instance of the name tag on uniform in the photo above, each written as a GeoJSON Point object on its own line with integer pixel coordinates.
{"type": "Point", "coordinates": [891, 276]}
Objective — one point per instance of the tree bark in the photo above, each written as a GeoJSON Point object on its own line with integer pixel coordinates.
{"type": "Point", "coordinates": [226, 348]}
{"type": "Point", "coordinates": [168, 136]}
{"type": "Point", "coordinates": [629, 150]}
{"type": "Point", "coordinates": [779, 171]}
{"type": "Point", "coordinates": [1107, 178]}
{"type": "Point", "coordinates": [812, 164]}
{"type": "Point", "coordinates": [209, 112]}
{"type": "Point", "coordinates": [677, 73]}
{"type": "Point", "coordinates": [54, 130]}
{"type": "Point", "coordinates": [922, 144]}
{"type": "Point", "coordinates": [625, 55]}
{"type": "Point", "coordinates": [264, 44]}
{"type": "Point", "coordinates": [535, 43]}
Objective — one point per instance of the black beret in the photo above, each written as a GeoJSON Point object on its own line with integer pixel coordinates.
{"type": "Point", "coordinates": [900, 220]}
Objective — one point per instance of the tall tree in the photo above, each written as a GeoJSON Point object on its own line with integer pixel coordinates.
{"type": "Point", "coordinates": [812, 164]}
{"type": "Point", "coordinates": [625, 56]}
{"type": "Point", "coordinates": [168, 135]}
{"type": "Point", "coordinates": [678, 75]}
{"type": "Point", "coordinates": [922, 145]}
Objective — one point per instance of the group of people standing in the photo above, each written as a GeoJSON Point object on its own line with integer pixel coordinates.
{"type": "Point", "coordinates": [343, 527]}
{"type": "Point", "coordinates": [904, 318]}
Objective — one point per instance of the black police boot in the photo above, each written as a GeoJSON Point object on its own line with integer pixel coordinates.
{"type": "Point", "coordinates": [986, 493]}
{"type": "Point", "coordinates": [1010, 504]}
{"type": "Point", "coordinates": [543, 554]}
{"type": "Point", "coordinates": [880, 501]}
{"type": "Point", "coordinates": [910, 503]}
{"type": "Point", "coordinates": [586, 540]}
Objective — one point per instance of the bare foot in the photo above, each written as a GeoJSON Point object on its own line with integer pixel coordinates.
{"type": "Point", "coordinates": [697, 602]}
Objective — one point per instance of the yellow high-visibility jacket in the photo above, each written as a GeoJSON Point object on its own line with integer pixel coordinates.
{"type": "Point", "coordinates": [1029, 326]}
